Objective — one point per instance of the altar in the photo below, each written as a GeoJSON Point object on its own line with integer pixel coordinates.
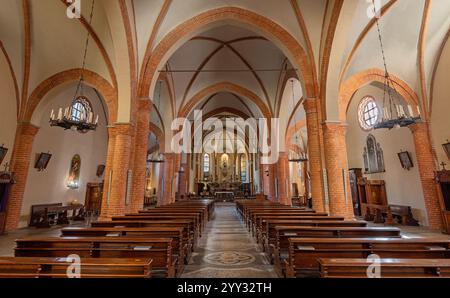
{"type": "Point", "coordinates": [224, 196]}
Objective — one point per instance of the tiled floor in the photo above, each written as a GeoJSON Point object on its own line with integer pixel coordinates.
{"type": "Point", "coordinates": [227, 250]}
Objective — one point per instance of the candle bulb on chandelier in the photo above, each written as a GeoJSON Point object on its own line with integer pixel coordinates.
{"type": "Point", "coordinates": [410, 111]}
{"type": "Point", "coordinates": [60, 114]}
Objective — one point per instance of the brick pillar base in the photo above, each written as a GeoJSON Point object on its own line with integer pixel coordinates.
{"type": "Point", "coordinates": [140, 155]}
{"type": "Point", "coordinates": [427, 168]}
{"type": "Point", "coordinates": [119, 158]}
{"type": "Point", "coordinates": [268, 172]}
{"type": "Point", "coordinates": [314, 156]}
{"type": "Point", "coordinates": [20, 163]}
{"type": "Point", "coordinates": [282, 170]}
{"type": "Point", "coordinates": [337, 166]}
{"type": "Point", "coordinates": [168, 176]}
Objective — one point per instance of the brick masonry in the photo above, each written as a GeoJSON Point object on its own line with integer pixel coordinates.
{"type": "Point", "coordinates": [427, 168]}
{"type": "Point", "coordinates": [336, 163]}
{"type": "Point", "coordinates": [20, 164]}
{"type": "Point", "coordinates": [314, 154]}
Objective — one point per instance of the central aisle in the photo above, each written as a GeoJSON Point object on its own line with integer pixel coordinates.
{"type": "Point", "coordinates": [227, 250]}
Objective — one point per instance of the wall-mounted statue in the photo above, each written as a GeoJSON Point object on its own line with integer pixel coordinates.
{"type": "Point", "coordinates": [373, 156]}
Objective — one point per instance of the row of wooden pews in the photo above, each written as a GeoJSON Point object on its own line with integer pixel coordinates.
{"type": "Point", "coordinates": [303, 243]}
{"type": "Point", "coordinates": [151, 243]}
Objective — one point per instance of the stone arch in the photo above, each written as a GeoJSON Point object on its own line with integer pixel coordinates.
{"type": "Point", "coordinates": [159, 135]}
{"type": "Point", "coordinates": [358, 80]}
{"type": "Point", "coordinates": [224, 87]}
{"type": "Point", "coordinates": [153, 60]}
{"type": "Point", "coordinates": [93, 79]}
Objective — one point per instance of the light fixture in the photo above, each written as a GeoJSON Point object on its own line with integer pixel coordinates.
{"type": "Point", "coordinates": [394, 115]}
{"type": "Point", "coordinates": [293, 155]}
{"type": "Point", "coordinates": [79, 115]}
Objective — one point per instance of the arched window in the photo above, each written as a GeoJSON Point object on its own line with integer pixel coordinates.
{"type": "Point", "coordinates": [206, 164]}
{"type": "Point", "coordinates": [368, 113]}
{"type": "Point", "coordinates": [80, 109]}
{"type": "Point", "coordinates": [243, 168]}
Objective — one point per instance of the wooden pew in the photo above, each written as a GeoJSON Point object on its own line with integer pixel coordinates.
{"type": "Point", "coordinates": [253, 216]}
{"type": "Point", "coordinates": [89, 268]}
{"type": "Point", "coordinates": [186, 223]}
{"type": "Point", "coordinates": [202, 215]}
{"type": "Point", "coordinates": [305, 252]}
{"type": "Point", "coordinates": [278, 248]}
{"type": "Point", "coordinates": [268, 233]}
{"type": "Point", "coordinates": [181, 245]}
{"type": "Point", "coordinates": [389, 268]}
{"type": "Point", "coordinates": [157, 249]}
{"type": "Point", "coordinates": [257, 226]}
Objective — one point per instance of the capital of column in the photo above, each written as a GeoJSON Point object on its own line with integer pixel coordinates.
{"type": "Point", "coordinates": [27, 129]}
{"type": "Point", "coordinates": [310, 105]}
{"type": "Point", "coordinates": [335, 128]}
{"type": "Point", "coordinates": [124, 129]}
{"type": "Point", "coordinates": [421, 126]}
{"type": "Point", "coordinates": [145, 104]}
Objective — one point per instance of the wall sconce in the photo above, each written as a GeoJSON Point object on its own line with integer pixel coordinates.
{"type": "Point", "coordinates": [71, 184]}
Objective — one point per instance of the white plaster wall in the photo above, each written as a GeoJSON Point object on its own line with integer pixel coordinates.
{"type": "Point", "coordinates": [49, 186]}
{"type": "Point", "coordinates": [403, 187]}
{"type": "Point", "coordinates": [8, 110]}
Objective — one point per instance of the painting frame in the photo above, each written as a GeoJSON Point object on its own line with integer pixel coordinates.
{"type": "Point", "coordinates": [3, 152]}
{"type": "Point", "coordinates": [42, 161]}
{"type": "Point", "coordinates": [446, 148]}
{"type": "Point", "coordinates": [100, 170]}
{"type": "Point", "coordinates": [405, 160]}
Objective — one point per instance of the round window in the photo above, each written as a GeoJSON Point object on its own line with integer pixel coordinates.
{"type": "Point", "coordinates": [368, 113]}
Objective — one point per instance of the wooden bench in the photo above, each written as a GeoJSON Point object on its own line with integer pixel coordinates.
{"type": "Point", "coordinates": [389, 268]}
{"type": "Point", "coordinates": [186, 223]}
{"type": "Point", "coordinates": [278, 248]}
{"type": "Point", "coordinates": [14, 267]}
{"type": "Point", "coordinates": [404, 213]}
{"type": "Point", "coordinates": [158, 249]}
{"type": "Point", "coordinates": [305, 252]}
{"type": "Point", "coordinates": [253, 217]}
{"type": "Point", "coordinates": [268, 233]}
{"type": "Point", "coordinates": [201, 215]}
{"type": "Point", "coordinates": [181, 245]}
{"type": "Point", "coordinates": [257, 226]}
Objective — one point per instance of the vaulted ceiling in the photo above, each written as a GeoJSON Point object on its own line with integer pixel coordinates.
{"type": "Point", "coordinates": [339, 39]}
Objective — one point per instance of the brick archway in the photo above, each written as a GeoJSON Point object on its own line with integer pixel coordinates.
{"type": "Point", "coordinates": [153, 60]}
{"type": "Point", "coordinates": [361, 79]}
{"type": "Point", "coordinates": [159, 135]}
{"type": "Point", "coordinates": [224, 87]}
{"type": "Point", "coordinates": [108, 92]}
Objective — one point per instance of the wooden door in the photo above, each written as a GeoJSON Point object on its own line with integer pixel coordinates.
{"type": "Point", "coordinates": [355, 174]}
{"type": "Point", "coordinates": [94, 195]}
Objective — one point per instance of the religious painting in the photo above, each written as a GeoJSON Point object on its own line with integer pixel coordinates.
{"type": "Point", "coordinates": [74, 172]}
{"type": "Point", "coordinates": [100, 170]}
{"type": "Point", "coordinates": [42, 161]}
{"type": "Point", "coordinates": [3, 152]}
{"type": "Point", "coordinates": [224, 164]}
{"type": "Point", "coordinates": [447, 149]}
{"type": "Point", "coordinates": [405, 160]}
{"type": "Point", "coordinates": [373, 156]}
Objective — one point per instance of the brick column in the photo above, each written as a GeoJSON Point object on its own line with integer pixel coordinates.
{"type": "Point", "coordinates": [108, 169]}
{"type": "Point", "coordinates": [20, 163]}
{"type": "Point", "coordinates": [268, 173]}
{"type": "Point", "coordinates": [168, 176]}
{"type": "Point", "coordinates": [282, 170]}
{"type": "Point", "coordinates": [140, 154]}
{"type": "Point", "coordinates": [336, 163]}
{"type": "Point", "coordinates": [314, 155]}
{"type": "Point", "coordinates": [427, 168]}
{"type": "Point", "coordinates": [120, 167]}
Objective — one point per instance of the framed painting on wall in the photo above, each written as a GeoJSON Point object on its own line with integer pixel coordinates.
{"type": "Point", "coordinates": [405, 160]}
{"type": "Point", "coordinates": [42, 161]}
{"type": "Point", "coordinates": [446, 147]}
{"type": "Point", "coordinates": [3, 152]}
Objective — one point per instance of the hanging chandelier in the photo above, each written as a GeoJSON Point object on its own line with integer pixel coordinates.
{"type": "Point", "coordinates": [293, 155]}
{"type": "Point", "coordinates": [394, 115]}
{"type": "Point", "coordinates": [79, 115]}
